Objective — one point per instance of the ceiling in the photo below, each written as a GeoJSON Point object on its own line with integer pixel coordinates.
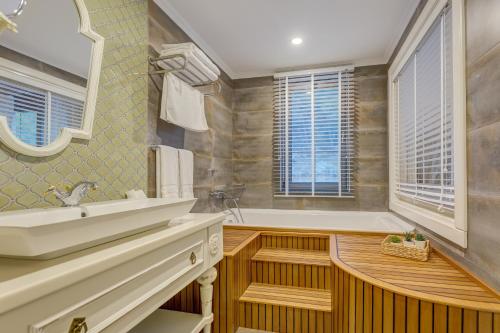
{"type": "Point", "coordinates": [252, 38]}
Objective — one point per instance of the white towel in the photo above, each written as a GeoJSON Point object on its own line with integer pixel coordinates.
{"type": "Point", "coordinates": [167, 172]}
{"type": "Point", "coordinates": [190, 50]}
{"type": "Point", "coordinates": [136, 194]}
{"type": "Point", "coordinates": [186, 173]}
{"type": "Point", "coordinates": [182, 105]}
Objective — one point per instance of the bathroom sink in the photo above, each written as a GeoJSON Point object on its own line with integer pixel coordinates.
{"type": "Point", "coordinates": [36, 217]}
{"type": "Point", "coordinates": [129, 206]}
{"type": "Point", "coordinates": [49, 233]}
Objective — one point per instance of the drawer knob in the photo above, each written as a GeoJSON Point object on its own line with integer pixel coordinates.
{"type": "Point", "coordinates": [193, 258]}
{"type": "Point", "coordinates": [78, 325]}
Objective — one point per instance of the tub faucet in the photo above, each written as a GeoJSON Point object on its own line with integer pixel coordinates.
{"type": "Point", "coordinates": [73, 197]}
{"type": "Point", "coordinates": [233, 195]}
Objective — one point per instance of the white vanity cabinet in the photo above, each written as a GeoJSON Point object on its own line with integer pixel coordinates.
{"type": "Point", "coordinates": [114, 286]}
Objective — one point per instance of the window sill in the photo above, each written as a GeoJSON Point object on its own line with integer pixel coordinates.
{"type": "Point", "coordinates": [440, 224]}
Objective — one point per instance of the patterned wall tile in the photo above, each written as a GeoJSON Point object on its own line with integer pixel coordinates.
{"type": "Point", "coordinates": [115, 157]}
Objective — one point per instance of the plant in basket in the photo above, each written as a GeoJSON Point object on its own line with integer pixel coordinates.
{"type": "Point", "coordinates": [420, 241]}
{"type": "Point", "coordinates": [408, 239]}
{"type": "Point", "coordinates": [395, 239]}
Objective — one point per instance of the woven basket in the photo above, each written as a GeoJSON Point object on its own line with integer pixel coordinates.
{"type": "Point", "coordinates": [410, 252]}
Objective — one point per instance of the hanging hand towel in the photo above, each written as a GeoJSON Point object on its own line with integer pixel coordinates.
{"type": "Point", "coordinates": [186, 173]}
{"type": "Point", "coordinates": [182, 105]}
{"type": "Point", "coordinates": [167, 172]}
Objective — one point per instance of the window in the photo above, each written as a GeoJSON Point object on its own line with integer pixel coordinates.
{"type": "Point", "coordinates": [424, 121]}
{"type": "Point", "coordinates": [36, 116]}
{"type": "Point", "coordinates": [313, 133]}
{"type": "Point", "coordinates": [426, 125]}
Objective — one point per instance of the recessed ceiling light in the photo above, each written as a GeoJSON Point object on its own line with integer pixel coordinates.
{"type": "Point", "coordinates": [297, 41]}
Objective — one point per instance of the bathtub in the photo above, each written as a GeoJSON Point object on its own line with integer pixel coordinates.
{"type": "Point", "coordinates": [376, 222]}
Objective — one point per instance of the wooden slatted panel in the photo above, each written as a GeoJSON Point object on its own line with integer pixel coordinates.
{"type": "Point", "coordinates": [412, 320]}
{"type": "Point", "coordinates": [455, 319]}
{"type": "Point", "coordinates": [279, 274]}
{"type": "Point", "coordinates": [291, 320]}
{"type": "Point", "coordinates": [281, 318]}
{"type": "Point", "coordinates": [377, 310]}
{"type": "Point", "coordinates": [293, 256]}
{"type": "Point", "coordinates": [436, 277]}
{"type": "Point", "coordinates": [387, 311]}
{"type": "Point", "coordinates": [281, 262]}
{"type": "Point", "coordinates": [426, 309]}
{"type": "Point", "coordinates": [298, 298]}
{"type": "Point", "coordinates": [235, 239]}
{"type": "Point", "coordinates": [300, 240]}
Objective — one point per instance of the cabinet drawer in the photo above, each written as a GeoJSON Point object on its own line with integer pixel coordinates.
{"type": "Point", "coordinates": [101, 309]}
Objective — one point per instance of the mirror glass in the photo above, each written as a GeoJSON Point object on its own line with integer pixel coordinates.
{"type": "Point", "coordinates": [44, 70]}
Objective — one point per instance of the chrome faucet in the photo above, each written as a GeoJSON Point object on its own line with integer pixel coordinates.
{"type": "Point", "coordinates": [73, 197]}
{"type": "Point", "coordinates": [232, 194]}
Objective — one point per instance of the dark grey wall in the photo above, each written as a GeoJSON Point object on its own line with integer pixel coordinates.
{"type": "Point", "coordinates": [483, 135]}
{"type": "Point", "coordinates": [212, 149]}
{"type": "Point", "coordinates": [252, 145]}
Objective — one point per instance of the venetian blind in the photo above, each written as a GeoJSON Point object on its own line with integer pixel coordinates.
{"type": "Point", "coordinates": [36, 116]}
{"type": "Point", "coordinates": [313, 138]}
{"type": "Point", "coordinates": [424, 121]}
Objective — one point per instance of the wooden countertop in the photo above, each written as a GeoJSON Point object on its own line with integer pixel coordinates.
{"type": "Point", "coordinates": [437, 280]}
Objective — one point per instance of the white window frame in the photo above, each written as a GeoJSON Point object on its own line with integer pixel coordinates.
{"type": "Point", "coordinates": [34, 78]}
{"type": "Point", "coordinates": [452, 228]}
{"type": "Point", "coordinates": [45, 82]}
{"type": "Point", "coordinates": [312, 72]}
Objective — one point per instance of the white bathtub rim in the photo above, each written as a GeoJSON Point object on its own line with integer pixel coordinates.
{"type": "Point", "coordinates": [403, 225]}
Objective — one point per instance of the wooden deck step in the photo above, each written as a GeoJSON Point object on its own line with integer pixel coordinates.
{"type": "Point", "coordinates": [293, 297]}
{"type": "Point", "coordinates": [250, 330]}
{"type": "Point", "coordinates": [293, 256]}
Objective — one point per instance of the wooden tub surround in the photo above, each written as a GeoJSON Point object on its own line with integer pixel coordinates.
{"type": "Point", "coordinates": [320, 282]}
{"type": "Point", "coordinates": [290, 289]}
{"type": "Point", "coordinates": [373, 292]}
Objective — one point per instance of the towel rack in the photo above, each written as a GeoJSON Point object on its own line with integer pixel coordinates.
{"type": "Point", "coordinates": [181, 71]}
{"type": "Point", "coordinates": [216, 84]}
{"type": "Point", "coordinates": [153, 61]}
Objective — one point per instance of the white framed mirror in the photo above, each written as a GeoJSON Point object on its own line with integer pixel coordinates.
{"type": "Point", "coordinates": [49, 76]}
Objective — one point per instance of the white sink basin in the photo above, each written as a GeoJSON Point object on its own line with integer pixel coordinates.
{"type": "Point", "coordinates": [130, 206]}
{"type": "Point", "coordinates": [48, 233]}
{"type": "Point", "coordinates": [37, 217]}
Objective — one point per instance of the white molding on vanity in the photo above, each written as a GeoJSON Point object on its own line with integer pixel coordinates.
{"type": "Point", "coordinates": [39, 327]}
{"type": "Point", "coordinates": [113, 286]}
